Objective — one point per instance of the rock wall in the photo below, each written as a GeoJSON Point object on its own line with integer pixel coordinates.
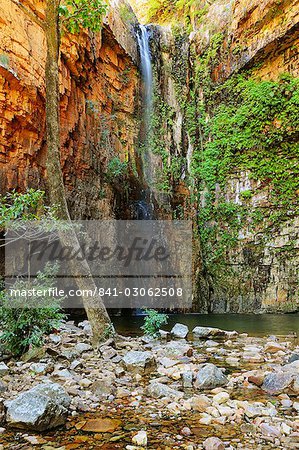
{"type": "Point", "coordinates": [99, 107]}
{"type": "Point", "coordinates": [247, 238]}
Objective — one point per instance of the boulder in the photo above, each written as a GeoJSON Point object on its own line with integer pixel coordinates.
{"type": "Point", "coordinates": [41, 408]}
{"type": "Point", "coordinates": [160, 390]}
{"type": "Point", "coordinates": [139, 362]}
{"type": "Point", "coordinates": [210, 377]}
{"type": "Point", "coordinates": [180, 331]}
{"type": "Point", "coordinates": [205, 332]}
{"type": "Point", "coordinates": [282, 381]}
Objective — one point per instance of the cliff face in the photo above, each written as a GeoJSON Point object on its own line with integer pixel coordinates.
{"type": "Point", "coordinates": [99, 105]}
{"type": "Point", "coordinates": [224, 134]}
{"type": "Point", "coordinates": [231, 140]}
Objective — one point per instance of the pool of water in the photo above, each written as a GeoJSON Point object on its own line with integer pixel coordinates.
{"type": "Point", "coordinates": [254, 325]}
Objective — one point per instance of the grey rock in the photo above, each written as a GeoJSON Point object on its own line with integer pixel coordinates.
{"type": "Point", "coordinates": [41, 368]}
{"type": "Point", "coordinates": [210, 377]}
{"type": "Point", "coordinates": [281, 381]}
{"type": "Point", "coordinates": [3, 369]}
{"type": "Point", "coordinates": [205, 332]}
{"type": "Point", "coordinates": [180, 330]}
{"type": "Point", "coordinates": [103, 388]}
{"type": "Point", "coordinates": [139, 362]}
{"type": "Point", "coordinates": [176, 349]}
{"type": "Point", "coordinates": [187, 379]}
{"type": "Point", "coordinates": [168, 362]}
{"type": "Point", "coordinates": [82, 347]}
{"type": "Point", "coordinates": [55, 338]}
{"type": "Point", "coordinates": [165, 335]}
{"type": "Point", "coordinates": [75, 364]}
{"type": "Point", "coordinates": [41, 408]}
{"type": "Point", "coordinates": [294, 357]}
{"type": "Point", "coordinates": [160, 390]}
{"type": "Point", "coordinates": [63, 373]}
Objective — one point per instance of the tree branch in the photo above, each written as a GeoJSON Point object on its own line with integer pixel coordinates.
{"type": "Point", "coordinates": [29, 13]}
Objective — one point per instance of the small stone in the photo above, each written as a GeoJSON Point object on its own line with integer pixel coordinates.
{"type": "Point", "coordinates": [206, 419]}
{"type": "Point", "coordinates": [164, 335]}
{"type": "Point", "coordinates": [200, 403]}
{"type": "Point", "coordinates": [85, 382]}
{"type": "Point", "coordinates": [40, 368]}
{"type": "Point", "coordinates": [269, 430]}
{"type": "Point", "coordinates": [180, 330]}
{"type": "Point", "coordinates": [213, 443]}
{"type": "Point", "coordinates": [168, 362]}
{"type": "Point", "coordinates": [296, 406]}
{"type": "Point", "coordinates": [160, 390]}
{"type": "Point", "coordinates": [220, 398]}
{"type": "Point", "coordinates": [55, 338]}
{"type": "Point", "coordinates": [186, 431]}
{"type": "Point", "coordinates": [174, 408]}
{"type": "Point", "coordinates": [82, 347]}
{"type": "Point", "coordinates": [187, 379]}
{"type": "Point", "coordinates": [64, 373]}
{"type": "Point", "coordinates": [285, 428]}
{"type": "Point", "coordinates": [273, 347]}
{"type": "Point", "coordinates": [140, 438]}
{"type": "Point", "coordinates": [33, 440]}
{"type": "Point", "coordinates": [75, 364]}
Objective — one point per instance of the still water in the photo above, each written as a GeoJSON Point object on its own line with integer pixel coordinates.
{"type": "Point", "coordinates": [254, 325]}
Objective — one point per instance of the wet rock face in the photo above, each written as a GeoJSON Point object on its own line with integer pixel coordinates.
{"type": "Point", "coordinates": [210, 377]}
{"type": "Point", "coordinates": [41, 408]}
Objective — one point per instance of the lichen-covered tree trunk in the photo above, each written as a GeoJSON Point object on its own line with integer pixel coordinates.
{"type": "Point", "coordinates": [94, 307]}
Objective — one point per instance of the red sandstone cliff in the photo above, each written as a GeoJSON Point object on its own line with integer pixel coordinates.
{"type": "Point", "coordinates": [99, 83]}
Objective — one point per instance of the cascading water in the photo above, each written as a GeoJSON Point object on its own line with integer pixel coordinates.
{"type": "Point", "coordinates": [143, 37]}
{"type": "Point", "coordinates": [144, 207]}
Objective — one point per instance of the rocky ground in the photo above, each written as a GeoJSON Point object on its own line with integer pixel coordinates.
{"type": "Point", "coordinates": [207, 389]}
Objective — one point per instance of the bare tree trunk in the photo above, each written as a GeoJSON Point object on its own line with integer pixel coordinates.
{"type": "Point", "coordinates": [94, 307]}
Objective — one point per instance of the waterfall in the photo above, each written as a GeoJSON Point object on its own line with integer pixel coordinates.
{"type": "Point", "coordinates": [147, 74]}
{"type": "Point", "coordinates": [145, 207]}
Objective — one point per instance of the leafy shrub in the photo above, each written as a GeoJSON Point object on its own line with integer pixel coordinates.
{"type": "Point", "coordinates": [116, 168]}
{"type": "Point", "coordinates": [25, 206]}
{"type": "Point", "coordinates": [153, 321]}
{"type": "Point", "coordinates": [23, 321]}
{"type": "Point", "coordinates": [77, 14]}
